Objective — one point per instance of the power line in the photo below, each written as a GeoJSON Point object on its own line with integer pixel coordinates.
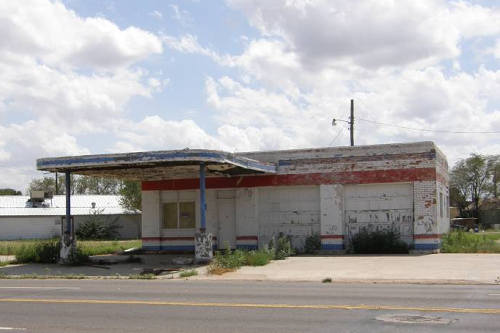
{"type": "Point", "coordinates": [341, 129]}
{"type": "Point", "coordinates": [429, 130]}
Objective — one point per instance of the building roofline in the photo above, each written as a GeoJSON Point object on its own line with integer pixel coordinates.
{"type": "Point", "coordinates": [151, 159]}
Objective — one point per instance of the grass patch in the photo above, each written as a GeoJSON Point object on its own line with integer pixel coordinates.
{"type": "Point", "coordinates": [97, 247]}
{"type": "Point", "coordinates": [185, 274]}
{"type": "Point", "coordinates": [465, 242]}
{"type": "Point", "coordinates": [47, 251]}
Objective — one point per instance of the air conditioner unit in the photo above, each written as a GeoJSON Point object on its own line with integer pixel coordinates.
{"type": "Point", "coordinates": [37, 195]}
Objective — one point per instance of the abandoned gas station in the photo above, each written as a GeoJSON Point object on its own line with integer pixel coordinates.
{"type": "Point", "coordinates": [199, 200]}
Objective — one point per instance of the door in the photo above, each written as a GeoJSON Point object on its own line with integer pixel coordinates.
{"type": "Point", "coordinates": [226, 218]}
{"type": "Point", "coordinates": [379, 207]}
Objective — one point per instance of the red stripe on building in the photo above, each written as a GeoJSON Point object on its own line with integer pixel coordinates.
{"type": "Point", "coordinates": [247, 238]}
{"type": "Point", "coordinates": [346, 177]}
{"type": "Point", "coordinates": [429, 236]}
{"type": "Point", "coordinates": [332, 236]}
{"type": "Point", "coordinates": [155, 239]}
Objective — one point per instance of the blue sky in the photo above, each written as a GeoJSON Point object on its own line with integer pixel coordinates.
{"type": "Point", "coordinates": [94, 76]}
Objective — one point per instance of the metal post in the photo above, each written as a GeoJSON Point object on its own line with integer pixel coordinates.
{"type": "Point", "coordinates": [68, 245]}
{"type": "Point", "coordinates": [351, 122]}
{"type": "Point", "coordinates": [68, 204]}
{"type": "Point", "coordinates": [203, 204]}
{"type": "Point", "coordinates": [203, 248]}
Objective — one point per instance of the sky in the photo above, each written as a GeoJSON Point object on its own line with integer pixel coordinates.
{"type": "Point", "coordinates": [102, 76]}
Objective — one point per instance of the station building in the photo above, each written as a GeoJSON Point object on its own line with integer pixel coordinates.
{"type": "Point", "coordinates": [245, 199]}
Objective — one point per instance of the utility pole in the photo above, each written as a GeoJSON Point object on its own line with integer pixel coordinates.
{"type": "Point", "coordinates": [351, 122]}
{"type": "Point", "coordinates": [57, 185]}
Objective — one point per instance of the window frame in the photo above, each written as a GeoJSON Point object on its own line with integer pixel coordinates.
{"type": "Point", "coordinates": [178, 214]}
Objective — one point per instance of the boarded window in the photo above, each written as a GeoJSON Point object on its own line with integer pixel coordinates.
{"type": "Point", "coordinates": [187, 216]}
{"type": "Point", "coordinates": [170, 215]}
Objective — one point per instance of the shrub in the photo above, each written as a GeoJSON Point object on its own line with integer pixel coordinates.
{"type": "Point", "coordinates": [313, 244]}
{"type": "Point", "coordinates": [378, 242]}
{"type": "Point", "coordinates": [259, 258]}
{"type": "Point", "coordinates": [98, 226]}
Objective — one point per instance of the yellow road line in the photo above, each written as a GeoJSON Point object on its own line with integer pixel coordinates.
{"type": "Point", "coordinates": [252, 305]}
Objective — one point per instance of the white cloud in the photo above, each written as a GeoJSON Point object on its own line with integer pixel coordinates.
{"type": "Point", "coordinates": [157, 14]}
{"type": "Point", "coordinates": [70, 76]}
{"type": "Point", "coordinates": [369, 33]}
{"type": "Point", "coordinates": [181, 15]}
{"type": "Point", "coordinates": [189, 44]}
{"type": "Point", "coordinates": [56, 36]}
{"type": "Point", "coordinates": [154, 132]}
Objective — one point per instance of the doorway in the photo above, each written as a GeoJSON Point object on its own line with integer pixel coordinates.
{"type": "Point", "coordinates": [226, 233]}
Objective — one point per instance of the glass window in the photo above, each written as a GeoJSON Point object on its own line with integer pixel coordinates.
{"type": "Point", "coordinates": [187, 217]}
{"type": "Point", "coordinates": [179, 215]}
{"type": "Point", "coordinates": [170, 215]}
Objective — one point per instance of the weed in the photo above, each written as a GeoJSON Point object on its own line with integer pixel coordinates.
{"type": "Point", "coordinates": [283, 247]}
{"type": "Point", "coordinates": [185, 274]}
{"type": "Point", "coordinates": [327, 280]}
{"type": "Point", "coordinates": [41, 251]}
{"type": "Point", "coordinates": [259, 258]}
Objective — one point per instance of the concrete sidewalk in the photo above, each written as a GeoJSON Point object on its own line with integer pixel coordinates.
{"type": "Point", "coordinates": [433, 268]}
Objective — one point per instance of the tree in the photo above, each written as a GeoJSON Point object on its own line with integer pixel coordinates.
{"type": "Point", "coordinates": [9, 191]}
{"type": "Point", "coordinates": [130, 195]}
{"type": "Point", "coordinates": [470, 181]}
{"type": "Point", "coordinates": [79, 185]}
{"type": "Point", "coordinates": [96, 185]}
{"type": "Point", "coordinates": [46, 184]}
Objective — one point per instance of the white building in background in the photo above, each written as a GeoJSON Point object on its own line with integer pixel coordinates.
{"type": "Point", "coordinates": [21, 219]}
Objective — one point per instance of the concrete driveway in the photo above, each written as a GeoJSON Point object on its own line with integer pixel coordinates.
{"type": "Point", "coordinates": [433, 268]}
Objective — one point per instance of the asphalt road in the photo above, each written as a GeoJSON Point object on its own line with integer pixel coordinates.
{"type": "Point", "coordinates": [223, 306]}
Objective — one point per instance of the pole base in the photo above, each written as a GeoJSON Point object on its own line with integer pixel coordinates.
{"type": "Point", "coordinates": [203, 247]}
{"type": "Point", "coordinates": [67, 252]}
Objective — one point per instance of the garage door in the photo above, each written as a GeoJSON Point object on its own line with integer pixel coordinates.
{"type": "Point", "coordinates": [379, 207]}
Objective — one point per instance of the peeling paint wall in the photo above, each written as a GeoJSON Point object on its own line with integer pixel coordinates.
{"type": "Point", "coordinates": [294, 211]}
{"type": "Point", "coordinates": [332, 217]}
{"type": "Point", "coordinates": [379, 207]}
{"type": "Point", "coordinates": [332, 192]}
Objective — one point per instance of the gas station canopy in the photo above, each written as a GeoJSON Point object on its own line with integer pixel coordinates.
{"type": "Point", "coordinates": [157, 165]}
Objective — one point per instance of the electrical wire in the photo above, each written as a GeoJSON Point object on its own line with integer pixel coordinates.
{"type": "Point", "coordinates": [341, 129]}
{"type": "Point", "coordinates": [428, 130]}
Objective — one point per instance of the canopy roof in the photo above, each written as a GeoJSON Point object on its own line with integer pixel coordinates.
{"type": "Point", "coordinates": [156, 165]}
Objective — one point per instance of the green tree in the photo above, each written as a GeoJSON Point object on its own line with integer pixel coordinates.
{"type": "Point", "coordinates": [470, 181]}
{"type": "Point", "coordinates": [79, 185]}
{"type": "Point", "coordinates": [130, 193]}
{"type": "Point", "coordinates": [96, 185]}
{"type": "Point", "coordinates": [9, 191]}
